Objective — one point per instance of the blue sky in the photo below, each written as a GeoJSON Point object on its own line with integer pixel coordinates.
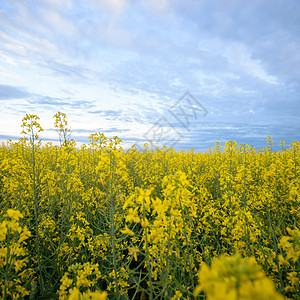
{"type": "Point", "coordinates": [123, 67]}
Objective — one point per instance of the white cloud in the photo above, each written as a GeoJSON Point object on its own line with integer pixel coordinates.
{"type": "Point", "coordinates": [158, 6]}
{"type": "Point", "coordinates": [113, 6]}
{"type": "Point", "coordinates": [117, 36]}
{"type": "Point", "coordinates": [20, 50]}
{"type": "Point", "coordinates": [60, 4]}
{"type": "Point", "coordinates": [8, 59]}
{"type": "Point", "coordinates": [28, 46]}
{"type": "Point", "coordinates": [6, 75]}
{"type": "Point", "coordinates": [57, 21]}
{"type": "Point", "coordinates": [240, 57]}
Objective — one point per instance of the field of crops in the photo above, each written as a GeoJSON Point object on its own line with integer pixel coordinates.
{"type": "Point", "coordinates": [99, 222]}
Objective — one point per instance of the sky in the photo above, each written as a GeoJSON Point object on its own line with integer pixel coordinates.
{"type": "Point", "coordinates": [180, 73]}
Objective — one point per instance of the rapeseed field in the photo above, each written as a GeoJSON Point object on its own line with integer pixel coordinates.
{"type": "Point", "coordinates": [99, 222]}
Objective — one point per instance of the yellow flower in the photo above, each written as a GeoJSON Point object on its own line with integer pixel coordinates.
{"type": "Point", "coordinates": [144, 223]}
{"type": "Point", "coordinates": [98, 295]}
{"type": "Point", "coordinates": [177, 296]}
{"type": "Point", "coordinates": [293, 278]}
{"type": "Point", "coordinates": [235, 278]}
{"type": "Point", "coordinates": [14, 214]}
{"type": "Point", "coordinates": [19, 264]}
{"type": "Point", "coordinates": [133, 251]}
{"type": "Point", "coordinates": [127, 231]}
{"type": "Point", "coordinates": [293, 254]}
{"type": "Point", "coordinates": [74, 294]}
{"type": "Point", "coordinates": [284, 242]}
{"type": "Point", "coordinates": [283, 261]}
{"type": "Point", "coordinates": [3, 230]}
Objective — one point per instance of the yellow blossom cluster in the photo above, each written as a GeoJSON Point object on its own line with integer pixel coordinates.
{"type": "Point", "coordinates": [234, 277]}
{"type": "Point", "coordinates": [79, 278]}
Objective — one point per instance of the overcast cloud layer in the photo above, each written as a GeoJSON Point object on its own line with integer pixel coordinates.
{"type": "Point", "coordinates": [123, 67]}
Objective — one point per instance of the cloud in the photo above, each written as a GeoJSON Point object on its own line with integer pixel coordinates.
{"type": "Point", "coordinates": [157, 6]}
{"type": "Point", "coordinates": [265, 29]}
{"type": "Point", "coordinates": [46, 100]}
{"type": "Point", "coordinates": [8, 92]}
{"type": "Point", "coordinates": [242, 61]}
{"type": "Point", "coordinates": [82, 130]}
{"type": "Point", "coordinates": [58, 4]}
{"type": "Point", "coordinates": [113, 6]}
{"type": "Point", "coordinates": [114, 129]}
{"type": "Point", "coordinates": [117, 36]}
{"type": "Point", "coordinates": [4, 137]}
{"type": "Point", "coordinates": [38, 30]}
{"type": "Point", "coordinates": [5, 74]}
{"type": "Point", "coordinates": [56, 21]}
{"type": "Point", "coordinates": [68, 70]}
{"type": "Point", "coordinates": [239, 59]}
{"type": "Point", "coordinates": [206, 135]}
{"type": "Point", "coordinates": [106, 113]}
